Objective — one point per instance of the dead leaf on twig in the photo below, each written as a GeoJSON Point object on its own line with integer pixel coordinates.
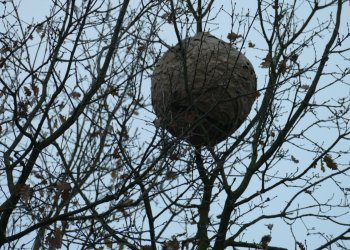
{"type": "Point", "coordinates": [267, 61]}
{"type": "Point", "coordinates": [330, 162]}
{"type": "Point", "coordinates": [233, 36]}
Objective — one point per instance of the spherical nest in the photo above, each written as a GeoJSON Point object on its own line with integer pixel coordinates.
{"type": "Point", "coordinates": [203, 90]}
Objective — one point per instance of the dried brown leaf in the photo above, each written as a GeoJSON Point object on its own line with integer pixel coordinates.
{"type": "Point", "coordinates": [126, 202]}
{"type": "Point", "coordinates": [330, 162]}
{"type": "Point", "coordinates": [275, 6]}
{"type": "Point", "coordinates": [171, 244]}
{"type": "Point", "coordinates": [305, 87]}
{"type": "Point", "coordinates": [233, 36]}
{"type": "Point", "coordinates": [141, 47]}
{"type": "Point", "coordinates": [2, 62]}
{"type": "Point", "coordinates": [62, 105]}
{"type": "Point", "coordinates": [282, 67]}
{"type": "Point", "coordinates": [114, 92]}
{"type": "Point", "coordinates": [39, 28]}
{"type": "Point", "coordinates": [35, 89]}
{"type": "Point", "coordinates": [54, 239]}
{"type": "Point", "coordinates": [62, 118]}
{"type": "Point", "coordinates": [251, 45]}
{"type": "Point", "coordinates": [294, 58]}
{"type": "Point", "coordinates": [22, 109]}
{"type": "Point", "coordinates": [114, 173]}
{"type": "Point", "coordinates": [95, 134]}
{"type": "Point", "coordinates": [34, 77]}
{"type": "Point", "coordinates": [256, 94]}
{"type": "Point", "coordinates": [174, 157]}
{"type": "Point", "coordinates": [295, 160]}
{"type": "Point", "coordinates": [75, 94]}
{"type": "Point", "coordinates": [131, 94]}
{"type": "Point", "coordinates": [65, 195]}
{"type": "Point", "coordinates": [314, 165]}
{"type": "Point", "coordinates": [265, 240]}
{"type": "Point", "coordinates": [27, 91]}
{"type": "Point", "coordinates": [171, 175]}
{"type": "Point", "coordinates": [24, 191]}
{"type": "Point", "coordinates": [65, 224]}
{"type": "Point", "coordinates": [5, 49]}
{"type": "Point", "coordinates": [323, 169]}
{"type": "Point", "coordinates": [169, 16]}
{"type": "Point", "coordinates": [267, 61]}
{"type": "Point", "coordinates": [279, 17]}
{"type": "Point", "coordinates": [39, 176]}
{"type": "Point", "coordinates": [61, 186]}
{"type": "Point", "coordinates": [116, 154]}
{"type": "Point", "coordinates": [123, 211]}
{"type": "Point", "coordinates": [124, 176]}
{"type": "Point", "coordinates": [108, 243]}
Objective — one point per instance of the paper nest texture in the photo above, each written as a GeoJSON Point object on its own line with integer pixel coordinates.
{"type": "Point", "coordinates": [204, 91]}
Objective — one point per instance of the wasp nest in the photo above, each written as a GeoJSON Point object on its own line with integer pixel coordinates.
{"type": "Point", "coordinates": [203, 89]}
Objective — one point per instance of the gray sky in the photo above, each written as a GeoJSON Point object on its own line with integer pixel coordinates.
{"type": "Point", "coordinates": [37, 10]}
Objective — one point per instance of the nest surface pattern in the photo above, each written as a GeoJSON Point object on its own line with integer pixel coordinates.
{"type": "Point", "coordinates": [203, 89]}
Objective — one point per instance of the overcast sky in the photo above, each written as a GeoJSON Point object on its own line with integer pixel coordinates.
{"type": "Point", "coordinates": [37, 10]}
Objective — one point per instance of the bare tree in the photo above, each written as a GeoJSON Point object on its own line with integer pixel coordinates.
{"type": "Point", "coordinates": [85, 164]}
